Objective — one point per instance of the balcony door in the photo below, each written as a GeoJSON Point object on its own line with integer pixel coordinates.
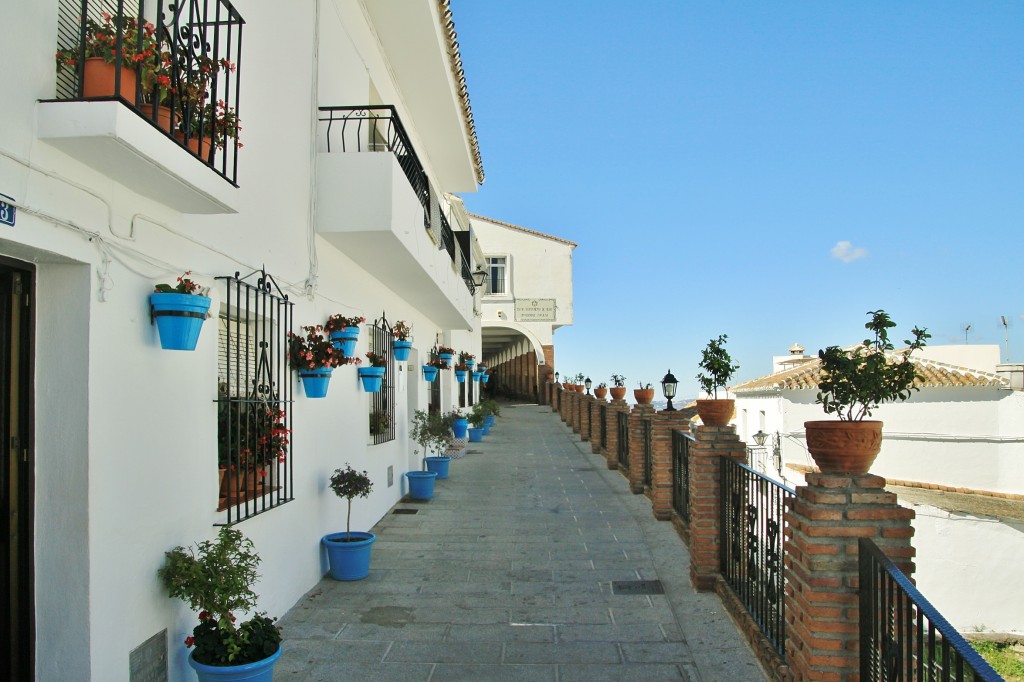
{"type": "Point", "coordinates": [17, 631]}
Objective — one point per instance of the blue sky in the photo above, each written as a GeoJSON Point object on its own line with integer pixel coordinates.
{"type": "Point", "coordinates": [767, 170]}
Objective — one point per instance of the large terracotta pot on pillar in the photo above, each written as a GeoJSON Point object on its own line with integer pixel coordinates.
{"type": "Point", "coordinates": [844, 447]}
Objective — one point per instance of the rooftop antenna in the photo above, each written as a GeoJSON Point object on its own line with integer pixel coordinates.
{"type": "Point", "coordinates": [1006, 337]}
{"type": "Point", "coordinates": [965, 328]}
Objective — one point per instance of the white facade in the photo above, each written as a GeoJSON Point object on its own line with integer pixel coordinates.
{"type": "Point", "coordinates": [124, 434]}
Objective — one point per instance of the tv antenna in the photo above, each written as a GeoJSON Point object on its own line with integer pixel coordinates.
{"type": "Point", "coordinates": [966, 328]}
{"type": "Point", "coordinates": [1006, 337]}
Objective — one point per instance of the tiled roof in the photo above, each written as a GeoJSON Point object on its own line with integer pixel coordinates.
{"type": "Point", "coordinates": [934, 374]}
{"type": "Point", "coordinates": [523, 229]}
{"type": "Point", "coordinates": [455, 61]}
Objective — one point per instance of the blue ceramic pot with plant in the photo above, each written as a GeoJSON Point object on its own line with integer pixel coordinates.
{"type": "Point", "coordinates": [260, 671]}
{"type": "Point", "coordinates": [476, 434]}
{"type": "Point", "coordinates": [315, 381]}
{"type": "Point", "coordinates": [438, 465]}
{"type": "Point", "coordinates": [402, 349]}
{"type": "Point", "coordinates": [429, 373]}
{"type": "Point", "coordinates": [459, 427]}
{"type": "Point", "coordinates": [179, 312]}
{"type": "Point", "coordinates": [421, 484]}
{"type": "Point", "coordinates": [372, 378]}
{"type": "Point", "coordinates": [460, 376]}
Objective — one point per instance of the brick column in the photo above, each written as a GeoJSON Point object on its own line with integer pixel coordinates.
{"type": "Point", "coordinates": [567, 405]}
{"type": "Point", "coordinates": [661, 453]}
{"type": "Point", "coordinates": [637, 416]}
{"type": "Point", "coordinates": [611, 452]}
{"type": "Point", "coordinates": [824, 522]}
{"type": "Point", "coordinates": [556, 390]}
{"type": "Point", "coordinates": [589, 403]}
{"type": "Point", "coordinates": [712, 443]}
{"type": "Point", "coordinates": [595, 428]}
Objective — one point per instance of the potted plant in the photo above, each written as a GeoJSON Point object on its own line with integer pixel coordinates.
{"type": "Point", "coordinates": [102, 59]}
{"type": "Point", "coordinates": [251, 436]}
{"type": "Point", "coordinates": [459, 423]}
{"type": "Point", "coordinates": [643, 395]}
{"type": "Point", "coordinates": [618, 388]}
{"type": "Point", "coordinates": [718, 369]}
{"type": "Point", "coordinates": [433, 366]}
{"type": "Point", "coordinates": [205, 127]}
{"type": "Point", "coordinates": [215, 578]}
{"type": "Point", "coordinates": [373, 376]}
{"type": "Point", "coordinates": [578, 383]}
{"type": "Point", "coordinates": [445, 353]}
{"type": "Point", "coordinates": [348, 553]}
{"type": "Point", "coordinates": [853, 383]}
{"type": "Point", "coordinates": [460, 372]}
{"type": "Point", "coordinates": [491, 412]}
{"type": "Point", "coordinates": [344, 332]}
{"type": "Point", "coordinates": [477, 416]}
{"type": "Point", "coordinates": [179, 312]}
{"type": "Point", "coordinates": [403, 340]}
{"type": "Point", "coordinates": [380, 421]}
{"type": "Point", "coordinates": [601, 391]}
{"type": "Point", "coordinates": [433, 433]}
{"type": "Point", "coordinates": [467, 359]}
{"type": "Point", "coordinates": [315, 358]}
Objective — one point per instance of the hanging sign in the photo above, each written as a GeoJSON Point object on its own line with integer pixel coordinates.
{"type": "Point", "coordinates": [7, 210]}
{"type": "Point", "coordinates": [535, 310]}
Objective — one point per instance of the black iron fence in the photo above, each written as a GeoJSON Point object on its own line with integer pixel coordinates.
{"type": "Point", "coordinates": [603, 417]}
{"type": "Point", "coordinates": [752, 526]}
{"type": "Point", "coordinates": [648, 464]}
{"type": "Point", "coordinates": [175, 63]}
{"type": "Point", "coordinates": [623, 424]}
{"type": "Point", "coordinates": [382, 403]}
{"type": "Point", "coordinates": [378, 128]}
{"type": "Point", "coordinates": [681, 473]}
{"type": "Point", "coordinates": [902, 636]}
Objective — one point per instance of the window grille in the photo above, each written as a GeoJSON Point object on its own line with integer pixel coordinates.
{"type": "Point", "coordinates": [382, 404]}
{"type": "Point", "coordinates": [497, 267]}
{"type": "Point", "coordinates": [435, 390]}
{"type": "Point", "coordinates": [254, 398]}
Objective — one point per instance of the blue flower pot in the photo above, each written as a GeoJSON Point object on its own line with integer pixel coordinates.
{"type": "Point", "coordinates": [487, 429]}
{"type": "Point", "coordinates": [489, 421]}
{"type": "Point", "coordinates": [477, 375]}
{"type": "Point", "coordinates": [460, 376]}
{"type": "Point", "coordinates": [402, 349]}
{"type": "Point", "coordinates": [469, 363]}
{"type": "Point", "coordinates": [349, 560]}
{"type": "Point", "coordinates": [476, 434]}
{"type": "Point", "coordinates": [373, 378]}
{"type": "Point", "coordinates": [485, 378]}
{"type": "Point", "coordinates": [430, 373]}
{"type": "Point", "coordinates": [179, 319]}
{"type": "Point", "coordinates": [345, 340]}
{"type": "Point", "coordinates": [439, 465]}
{"type": "Point", "coordinates": [447, 357]}
{"type": "Point", "coordinates": [459, 427]}
{"type": "Point", "coordinates": [421, 484]}
{"type": "Point", "coordinates": [260, 671]}
{"type": "Point", "coordinates": [315, 381]}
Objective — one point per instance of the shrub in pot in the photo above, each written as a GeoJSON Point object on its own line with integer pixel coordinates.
{"type": "Point", "coordinates": [618, 389]}
{"type": "Point", "coordinates": [854, 382]}
{"type": "Point", "coordinates": [348, 552]}
{"type": "Point", "coordinates": [433, 432]}
{"type": "Point", "coordinates": [216, 578]}
{"type": "Point", "coordinates": [643, 395]}
{"type": "Point", "coordinates": [718, 368]}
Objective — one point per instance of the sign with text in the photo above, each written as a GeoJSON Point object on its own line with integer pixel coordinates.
{"type": "Point", "coordinates": [535, 310]}
{"type": "Point", "coordinates": [7, 211]}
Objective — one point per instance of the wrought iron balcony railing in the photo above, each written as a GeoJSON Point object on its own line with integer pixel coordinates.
{"type": "Point", "coordinates": [178, 67]}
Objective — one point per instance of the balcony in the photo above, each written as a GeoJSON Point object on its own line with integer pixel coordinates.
{"type": "Point", "coordinates": [154, 108]}
{"type": "Point", "coordinates": [374, 205]}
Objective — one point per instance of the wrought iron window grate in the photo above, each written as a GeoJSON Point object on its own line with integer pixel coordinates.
{"type": "Point", "coordinates": [254, 425]}
{"type": "Point", "coordinates": [648, 455]}
{"type": "Point", "coordinates": [681, 442]}
{"type": "Point", "coordinates": [623, 434]}
{"type": "Point", "coordinates": [382, 403]}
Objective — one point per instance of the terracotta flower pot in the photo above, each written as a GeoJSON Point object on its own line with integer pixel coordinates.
{"type": "Point", "coordinates": [841, 447]}
{"type": "Point", "coordinates": [644, 396]}
{"type": "Point", "coordinates": [618, 392]}
{"type": "Point", "coordinates": [716, 412]}
{"type": "Point", "coordinates": [600, 393]}
{"type": "Point", "coordinates": [98, 80]}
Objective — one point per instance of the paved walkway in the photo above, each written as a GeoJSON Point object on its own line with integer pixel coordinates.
{"type": "Point", "coordinates": [508, 573]}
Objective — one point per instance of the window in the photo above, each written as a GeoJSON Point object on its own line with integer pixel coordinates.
{"type": "Point", "coordinates": [382, 403]}
{"type": "Point", "coordinates": [254, 399]}
{"type": "Point", "coordinates": [497, 268]}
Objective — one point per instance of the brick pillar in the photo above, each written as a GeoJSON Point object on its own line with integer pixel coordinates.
{"type": "Point", "coordinates": [589, 403]}
{"type": "Point", "coordinates": [595, 427]}
{"type": "Point", "coordinates": [577, 415]}
{"type": "Point", "coordinates": [712, 443]}
{"type": "Point", "coordinates": [661, 453]}
{"type": "Point", "coordinates": [567, 397]}
{"type": "Point", "coordinates": [611, 452]}
{"type": "Point", "coordinates": [824, 522]}
{"type": "Point", "coordinates": [637, 417]}
{"type": "Point", "coordinates": [556, 389]}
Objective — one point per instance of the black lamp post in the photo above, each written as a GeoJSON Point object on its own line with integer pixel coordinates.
{"type": "Point", "coordinates": [588, 383]}
{"type": "Point", "coordinates": [556, 377]}
{"type": "Point", "coordinates": [668, 386]}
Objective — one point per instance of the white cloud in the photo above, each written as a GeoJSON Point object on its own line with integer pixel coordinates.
{"type": "Point", "coordinates": [847, 252]}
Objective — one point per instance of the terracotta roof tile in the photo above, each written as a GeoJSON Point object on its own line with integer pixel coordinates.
{"type": "Point", "coordinates": [523, 229]}
{"type": "Point", "coordinates": [455, 62]}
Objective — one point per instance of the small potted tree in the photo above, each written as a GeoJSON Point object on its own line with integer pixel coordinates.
{"type": "Point", "coordinates": [718, 369]}
{"type": "Point", "coordinates": [433, 434]}
{"type": "Point", "coordinates": [349, 553]}
{"type": "Point", "coordinates": [854, 382]}
{"type": "Point", "coordinates": [215, 578]}
{"type": "Point", "coordinates": [179, 311]}
{"type": "Point", "coordinates": [477, 417]}
{"type": "Point", "coordinates": [618, 388]}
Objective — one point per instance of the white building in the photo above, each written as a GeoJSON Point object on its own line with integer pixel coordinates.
{"type": "Point", "coordinates": [356, 127]}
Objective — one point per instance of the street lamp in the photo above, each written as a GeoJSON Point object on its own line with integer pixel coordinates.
{"type": "Point", "coordinates": [479, 277]}
{"type": "Point", "coordinates": [668, 386]}
{"type": "Point", "coordinates": [556, 377]}
{"type": "Point", "coordinates": [760, 437]}
{"type": "Point", "coordinates": [588, 383]}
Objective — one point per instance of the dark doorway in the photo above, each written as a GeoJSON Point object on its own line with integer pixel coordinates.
{"type": "Point", "coordinates": [17, 632]}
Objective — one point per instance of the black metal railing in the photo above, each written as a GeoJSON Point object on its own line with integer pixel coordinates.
{"type": "Point", "coordinates": [753, 525]}
{"type": "Point", "coordinates": [648, 463]}
{"type": "Point", "coordinates": [603, 417]}
{"type": "Point", "coordinates": [376, 128]}
{"type": "Point", "coordinates": [254, 399]}
{"type": "Point", "coordinates": [447, 237]}
{"type": "Point", "coordinates": [382, 403]}
{"type": "Point", "coordinates": [902, 636]}
{"type": "Point", "coordinates": [681, 473]}
{"type": "Point", "coordinates": [623, 425]}
{"type": "Point", "coordinates": [181, 71]}
{"type": "Point", "coordinates": [590, 419]}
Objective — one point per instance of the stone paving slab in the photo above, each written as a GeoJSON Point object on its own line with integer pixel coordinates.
{"type": "Point", "coordinates": [507, 575]}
